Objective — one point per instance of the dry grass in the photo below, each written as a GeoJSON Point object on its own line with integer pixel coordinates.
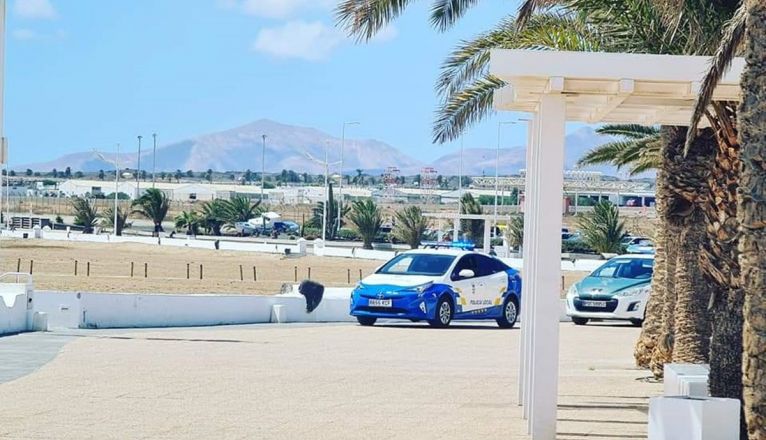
{"type": "Point", "coordinates": [110, 265]}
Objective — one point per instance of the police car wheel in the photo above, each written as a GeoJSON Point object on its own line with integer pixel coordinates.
{"type": "Point", "coordinates": [579, 321]}
{"type": "Point", "coordinates": [443, 312]}
{"type": "Point", "coordinates": [510, 314]}
{"type": "Point", "coordinates": [366, 320]}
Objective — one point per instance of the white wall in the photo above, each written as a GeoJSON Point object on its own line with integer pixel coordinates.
{"type": "Point", "coordinates": [13, 308]}
{"type": "Point", "coordinates": [117, 310]}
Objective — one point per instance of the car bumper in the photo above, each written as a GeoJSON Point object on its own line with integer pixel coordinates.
{"type": "Point", "coordinates": [402, 307]}
{"type": "Point", "coordinates": [617, 308]}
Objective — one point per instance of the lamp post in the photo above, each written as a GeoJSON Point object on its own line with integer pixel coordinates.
{"type": "Point", "coordinates": [326, 164]}
{"type": "Point", "coordinates": [154, 159]}
{"type": "Point", "coordinates": [497, 173]}
{"type": "Point", "coordinates": [340, 183]}
{"type": "Point", "coordinates": [263, 165]}
{"type": "Point", "coordinates": [138, 169]}
{"type": "Point", "coordinates": [116, 163]}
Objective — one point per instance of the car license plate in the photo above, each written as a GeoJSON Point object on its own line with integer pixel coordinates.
{"type": "Point", "coordinates": [600, 304]}
{"type": "Point", "coordinates": [381, 303]}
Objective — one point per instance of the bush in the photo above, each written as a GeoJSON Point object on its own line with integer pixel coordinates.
{"type": "Point", "coordinates": [310, 233]}
{"type": "Point", "coordinates": [576, 247]}
{"type": "Point", "coordinates": [348, 234]}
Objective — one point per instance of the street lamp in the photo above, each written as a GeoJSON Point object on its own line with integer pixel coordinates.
{"type": "Point", "coordinates": [497, 172]}
{"type": "Point", "coordinates": [138, 169]}
{"type": "Point", "coordinates": [154, 159]}
{"type": "Point", "coordinates": [263, 166]}
{"type": "Point", "coordinates": [340, 184]}
{"type": "Point", "coordinates": [497, 164]}
{"type": "Point", "coordinates": [116, 163]}
{"type": "Point", "coordinates": [326, 164]}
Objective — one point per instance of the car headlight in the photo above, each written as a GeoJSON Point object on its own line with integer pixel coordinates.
{"type": "Point", "coordinates": [423, 287]}
{"type": "Point", "coordinates": [634, 291]}
{"type": "Point", "coordinates": [572, 292]}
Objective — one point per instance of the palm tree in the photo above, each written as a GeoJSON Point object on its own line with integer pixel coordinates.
{"type": "Point", "coordinates": [154, 205]}
{"type": "Point", "coordinates": [474, 228]}
{"type": "Point", "coordinates": [367, 218]}
{"type": "Point", "coordinates": [410, 226]}
{"type": "Point", "coordinates": [214, 216]}
{"type": "Point", "coordinates": [241, 209]}
{"type": "Point", "coordinates": [676, 315]}
{"type": "Point", "coordinates": [190, 220]}
{"type": "Point", "coordinates": [515, 232]}
{"type": "Point", "coordinates": [603, 229]}
{"type": "Point", "coordinates": [85, 214]}
{"type": "Point", "coordinates": [122, 218]}
{"type": "Point", "coordinates": [332, 215]}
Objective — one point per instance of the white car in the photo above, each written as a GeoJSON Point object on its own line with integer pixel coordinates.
{"type": "Point", "coordinates": [618, 290]}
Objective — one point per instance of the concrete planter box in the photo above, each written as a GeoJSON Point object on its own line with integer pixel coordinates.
{"type": "Point", "coordinates": [693, 418]}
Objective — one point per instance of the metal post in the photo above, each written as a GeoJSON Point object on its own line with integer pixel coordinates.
{"type": "Point", "coordinates": [116, 186]}
{"type": "Point", "coordinates": [326, 194]}
{"type": "Point", "coordinates": [340, 184]}
{"type": "Point", "coordinates": [263, 166]}
{"type": "Point", "coordinates": [138, 169]}
{"type": "Point", "coordinates": [154, 159]}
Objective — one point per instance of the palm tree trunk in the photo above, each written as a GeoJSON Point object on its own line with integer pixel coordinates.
{"type": "Point", "coordinates": [691, 324]}
{"type": "Point", "coordinates": [752, 217]}
{"type": "Point", "coordinates": [720, 261]}
{"type": "Point", "coordinates": [653, 312]}
{"type": "Point", "coordinates": [684, 310]}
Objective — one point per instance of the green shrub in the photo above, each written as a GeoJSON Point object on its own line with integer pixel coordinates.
{"type": "Point", "coordinates": [348, 234]}
{"type": "Point", "coordinates": [576, 247]}
{"type": "Point", "coordinates": [310, 233]}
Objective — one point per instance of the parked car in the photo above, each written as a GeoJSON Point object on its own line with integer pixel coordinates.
{"type": "Point", "coordinates": [618, 290]}
{"type": "Point", "coordinates": [644, 246]}
{"type": "Point", "coordinates": [439, 286]}
{"type": "Point", "coordinates": [286, 227]}
{"type": "Point", "coordinates": [629, 240]}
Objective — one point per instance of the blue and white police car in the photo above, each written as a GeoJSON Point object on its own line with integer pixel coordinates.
{"type": "Point", "coordinates": [438, 286]}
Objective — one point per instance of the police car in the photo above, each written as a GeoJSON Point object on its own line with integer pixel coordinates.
{"type": "Point", "coordinates": [618, 290]}
{"type": "Point", "coordinates": [438, 286]}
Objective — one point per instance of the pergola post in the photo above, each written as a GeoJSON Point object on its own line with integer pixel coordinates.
{"type": "Point", "coordinates": [546, 265]}
{"type": "Point", "coordinates": [527, 295]}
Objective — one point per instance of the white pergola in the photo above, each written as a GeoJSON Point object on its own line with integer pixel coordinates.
{"type": "Point", "coordinates": [557, 87]}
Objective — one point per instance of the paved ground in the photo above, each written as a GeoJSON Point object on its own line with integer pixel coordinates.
{"type": "Point", "coordinates": [310, 381]}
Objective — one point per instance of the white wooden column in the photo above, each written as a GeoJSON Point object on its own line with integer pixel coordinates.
{"type": "Point", "coordinates": [546, 264]}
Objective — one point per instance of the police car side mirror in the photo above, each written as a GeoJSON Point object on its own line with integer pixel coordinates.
{"type": "Point", "coordinates": [466, 273]}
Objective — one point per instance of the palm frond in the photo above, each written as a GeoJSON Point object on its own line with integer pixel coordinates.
{"type": "Point", "coordinates": [444, 13]}
{"type": "Point", "coordinates": [631, 131]}
{"type": "Point", "coordinates": [550, 31]}
{"type": "Point", "coordinates": [363, 19]}
{"type": "Point", "coordinates": [608, 153]}
{"type": "Point", "coordinates": [529, 7]}
{"type": "Point", "coordinates": [731, 41]}
{"type": "Point", "coordinates": [465, 108]}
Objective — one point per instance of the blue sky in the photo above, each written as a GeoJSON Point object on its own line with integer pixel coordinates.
{"type": "Point", "coordinates": [84, 74]}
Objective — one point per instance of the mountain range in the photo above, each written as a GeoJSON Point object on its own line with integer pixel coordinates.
{"type": "Point", "coordinates": [302, 149]}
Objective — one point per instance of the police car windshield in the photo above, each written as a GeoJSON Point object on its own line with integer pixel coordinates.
{"type": "Point", "coordinates": [633, 268]}
{"type": "Point", "coordinates": [418, 264]}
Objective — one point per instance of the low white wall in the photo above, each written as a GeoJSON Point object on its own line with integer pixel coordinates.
{"type": "Point", "coordinates": [566, 265]}
{"type": "Point", "coordinates": [118, 310]}
{"type": "Point", "coordinates": [14, 315]}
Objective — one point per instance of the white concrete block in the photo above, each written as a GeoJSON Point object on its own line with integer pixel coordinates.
{"type": "Point", "coordinates": [693, 418]}
{"type": "Point", "coordinates": [39, 322]}
{"type": "Point", "coordinates": [672, 373]}
{"type": "Point", "coordinates": [693, 386]}
{"type": "Point", "coordinates": [278, 314]}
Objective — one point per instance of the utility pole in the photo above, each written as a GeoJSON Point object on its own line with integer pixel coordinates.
{"type": "Point", "coordinates": [263, 166]}
{"type": "Point", "coordinates": [138, 169]}
{"type": "Point", "coordinates": [340, 184]}
{"type": "Point", "coordinates": [154, 160]}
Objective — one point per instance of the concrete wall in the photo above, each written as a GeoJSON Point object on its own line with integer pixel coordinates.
{"type": "Point", "coordinates": [14, 313]}
{"type": "Point", "coordinates": [118, 310]}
